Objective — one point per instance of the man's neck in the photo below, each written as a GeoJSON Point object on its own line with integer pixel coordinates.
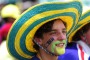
{"type": "Point", "coordinates": [45, 56]}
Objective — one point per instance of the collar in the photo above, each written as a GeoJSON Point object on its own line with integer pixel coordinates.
{"type": "Point", "coordinates": [85, 47]}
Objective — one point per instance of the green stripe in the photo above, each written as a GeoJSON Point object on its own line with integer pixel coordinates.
{"type": "Point", "coordinates": [84, 16]}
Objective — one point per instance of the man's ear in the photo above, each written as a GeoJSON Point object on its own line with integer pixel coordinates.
{"type": "Point", "coordinates": [83, 37]}
{"type": "Point", "coordinates": [39, 40]}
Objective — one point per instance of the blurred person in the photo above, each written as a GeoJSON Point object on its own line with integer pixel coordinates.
{"type": "Point", "coordinates": [9, 13]}
{"type": "Point", "coordinates": [40, 32]}
{"type": "Point", "coordinates": [79, 46]}
{"type": "Point", "coordinates": [1, 23]}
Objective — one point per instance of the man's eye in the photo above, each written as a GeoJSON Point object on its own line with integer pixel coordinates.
{"type": "Point", "coordinates": [53, 33]}
{"type": "Point", "coordinates": [64, 32]}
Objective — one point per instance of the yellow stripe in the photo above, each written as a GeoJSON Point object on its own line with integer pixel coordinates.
{"type": "Point", "coordinates": [84, 20]}
{"type": "Point", "coordinates": [25, 26]}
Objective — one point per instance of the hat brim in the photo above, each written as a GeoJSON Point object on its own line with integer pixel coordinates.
{"type": "Point", "coordinates": [19, 40]}
{"type": "Point", "coordinates": [85, 19]}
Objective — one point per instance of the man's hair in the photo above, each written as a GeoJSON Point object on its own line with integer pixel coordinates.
{"type": "Point", "coordinates": [47, 27]}
{"type": "Point", "coordinates": [81, 32]}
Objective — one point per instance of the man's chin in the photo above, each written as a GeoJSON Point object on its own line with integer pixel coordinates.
{"type": "Point", "coordinates": [60, 51]}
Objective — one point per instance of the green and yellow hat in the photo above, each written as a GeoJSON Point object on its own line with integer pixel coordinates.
{"type": "Point", "coordinates": [85, 19]}
{"type": "Point", "coordinates": [19, 40]}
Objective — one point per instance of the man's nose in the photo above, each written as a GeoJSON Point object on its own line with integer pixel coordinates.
{"type": "Point", "coordinates": [61, 36]}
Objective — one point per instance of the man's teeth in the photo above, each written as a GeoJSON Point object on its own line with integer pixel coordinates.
{"type": "Point", "coordinates": [60, 45]}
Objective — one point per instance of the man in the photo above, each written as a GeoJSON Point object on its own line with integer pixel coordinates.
{"type": "Point", "coordinates": [40, 32]}
{"type": "Point", "coordinates": [51, 37]}
{"type": "Point", "coordinates": [79, 48]}
{"type": "Point", "coordinates": [9, 13]}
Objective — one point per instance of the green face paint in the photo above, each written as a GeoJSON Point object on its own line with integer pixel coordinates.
{"type": "Point", "coordinates": [58, 50]}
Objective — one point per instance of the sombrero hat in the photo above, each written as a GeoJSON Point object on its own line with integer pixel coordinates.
{"type": "Point", "coordinates": [19, 40]}
{"type": "Point", "coordinates": [85, 19]}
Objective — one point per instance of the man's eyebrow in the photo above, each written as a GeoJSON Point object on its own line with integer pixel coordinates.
{"type": "Point", "coordinates": [64, 28]}
{"type": "Point", "coordinates": [53, 30]}
{"type": "Point", "coordinates": [56, 29]}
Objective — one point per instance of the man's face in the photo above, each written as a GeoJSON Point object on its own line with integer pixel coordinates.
{"type": "Point", "coordinates": [57, 46]}
{"type": "Point", "coordinates": [87, 35]}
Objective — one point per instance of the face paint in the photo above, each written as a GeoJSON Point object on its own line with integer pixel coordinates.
{"type": "Point", "coordinates": [58, 47]}
{"type": "Point", "coordinates": [48, 42]}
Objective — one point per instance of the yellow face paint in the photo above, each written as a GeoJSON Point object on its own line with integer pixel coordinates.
{"type": "Point", "coordinates": [57, 49]}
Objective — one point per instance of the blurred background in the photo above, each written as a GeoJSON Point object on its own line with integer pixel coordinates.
{"type": "Point", "coordinates": [24, 4]}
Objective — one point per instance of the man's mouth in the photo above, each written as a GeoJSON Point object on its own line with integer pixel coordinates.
{"type": "Point", "coordinates": [61, 45]}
